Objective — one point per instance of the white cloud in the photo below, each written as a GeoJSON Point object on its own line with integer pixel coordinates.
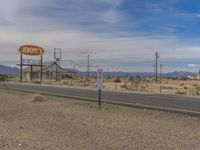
{"type": "Point", "coordinates": [81, 28]}
{"type": "Point", "coordinates": [192, 65]}
{"type": "Point", "coordinates": [77, 44]}
{"type": "Point", "coordinates": [197, 15]}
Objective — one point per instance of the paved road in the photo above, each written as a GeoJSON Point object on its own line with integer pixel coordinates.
{"type": "Point", "coordinates": [174, 102]}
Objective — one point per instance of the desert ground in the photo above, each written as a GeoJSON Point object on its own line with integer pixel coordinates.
{"type": "Point", "coordinates": [165, 86]}
{"type": "Point", "coordinates": [36, 122]}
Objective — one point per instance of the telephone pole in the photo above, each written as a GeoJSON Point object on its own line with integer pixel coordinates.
{"type": "Point", "coordinates": [88, 67]}
{"type": "Point", "coordinates": [160, 73]}
{"type": "Point", "coordinates": [157, 57]}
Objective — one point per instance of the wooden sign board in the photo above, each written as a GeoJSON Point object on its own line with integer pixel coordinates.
{"type": "Point", "coordinates": [31, 50]}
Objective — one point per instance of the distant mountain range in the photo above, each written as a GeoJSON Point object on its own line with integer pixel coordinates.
{"type": "Point", "coordinates": [15, 71]}
{"type": "Point", "coordinates": [142, 74]}
{"type": "Point", "coordinates": [8, 70]}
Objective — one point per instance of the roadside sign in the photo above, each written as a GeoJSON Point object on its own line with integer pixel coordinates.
{"type": "Point", "coordinates": [100, 79]}
{"type": "Point", "coordinates": [31, 50]}
{"type": "Point", "coordinates": [99, 84]}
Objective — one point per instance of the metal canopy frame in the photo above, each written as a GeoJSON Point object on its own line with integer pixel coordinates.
{"type": "Point", "coordinates": [28, 63]}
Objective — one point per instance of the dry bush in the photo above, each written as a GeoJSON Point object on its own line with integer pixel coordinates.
{"type": "Point", "coordinates": [197, 89]}
{"type": "Point", "coordinates": [65, 82]}
{"type": "Point", "coordinates": [117, 80]}
{"type": "Point", "coordinates": [185, 88]}
{"type": "Point", "coordinates": [195, 85]}
{"type": "Point", "coordinates": [124, 86]}
{"type": "Point", "coordinates": [38, 98]}
{"type": "Point", "coordinates": [48, 82]}
{"type": "Point", "coordinates": [180, 92]}
{"type": "Point", "coordinates": [167, 88]}
{"type": "Point", "coordinates": [3, 77]}
{"type": "Point", "coordinates": [37, 82]}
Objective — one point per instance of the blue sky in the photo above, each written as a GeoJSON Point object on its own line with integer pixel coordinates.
{"type": "Point", "coordinates": [118, 34]}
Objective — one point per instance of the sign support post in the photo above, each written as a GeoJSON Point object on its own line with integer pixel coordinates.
{"type": "Point", "coordinates": [99, 104]}
{"type": "Point", "coordinates": [99, 85]}
{"type": "Point", "coordinates": [31, 73]}
{"type": "Point", "coordinates": [41, 68]}
{"type": "Point", "coordinates": [21, 66]}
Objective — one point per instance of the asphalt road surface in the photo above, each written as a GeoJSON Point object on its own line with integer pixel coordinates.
{"type": "Point", "coordinates": [166, 101]}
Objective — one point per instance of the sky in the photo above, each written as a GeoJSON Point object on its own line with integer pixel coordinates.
{"type": "Point", "coordinates": [119, 35]}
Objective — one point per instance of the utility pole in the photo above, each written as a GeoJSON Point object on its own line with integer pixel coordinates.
{"type": "Point", "coordinates": [57, 57]}
{"type": "Point", "coordinates": [88, 67]}
{"type": "Point", "coordinates": [157, 57]}
{"type": "Point", "coordinates": [160, 73]}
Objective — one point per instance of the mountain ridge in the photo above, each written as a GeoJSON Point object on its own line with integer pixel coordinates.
{"type": "Point", "coordinates": [15, 71]}
{"type": "Point", "coordinates": [8, 70]}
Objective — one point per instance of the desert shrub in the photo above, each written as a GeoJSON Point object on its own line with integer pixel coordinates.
{"type": "Point", "coordinates": [117, 80]}
{"type": "Point", "coordinates": [135, 82]}
{"type": "Point", "coordinates": [108, 77]}
{"type": "Point", "coordinates": [84, 83]}
{"type": "Point", "coordinates": [180, 92]}
{"type": "Point", "coordinates": [167, 88]}
{"type": "Point", "coordinates": [37, 82]}
{"type": "Point", "coordinates": [65, 82]}
{"type": "Point", "coordinates": [195, 85]}
{"type": "Point", "coordinates": [185, 88]}
{"type": "Point", "coordinates": [38, 98]}
{"type": "Point", "coordinates": [124, 86]}
{"type": "Point", "coordinates": [175, 78]}
{"type": "Point", "coordinates": [130, 78]}
{"type": "Point", "coordinates": [48, 82]}
{"type": "Point", "coordinates": [3, 77]}
{"type": "Point", "coordinates": [184, 78]}
{"type": "Point", "coordinates": [138, 78]}
{"type": "Point", "coordinates": [197, 89]}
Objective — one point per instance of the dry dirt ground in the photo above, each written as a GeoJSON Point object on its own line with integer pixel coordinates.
{"type": "Point", "coordinates": [64, 124]}
{"type": "Point", "coordinates": [167, 86]}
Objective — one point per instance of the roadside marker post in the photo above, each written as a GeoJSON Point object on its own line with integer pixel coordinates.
{"type": "Point", "coordinates": [99, 85]}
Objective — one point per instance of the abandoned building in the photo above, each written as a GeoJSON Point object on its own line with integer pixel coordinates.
{"type": "Point", "coordinates": [50, 71]}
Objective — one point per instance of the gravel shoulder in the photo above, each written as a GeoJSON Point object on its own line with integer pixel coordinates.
{"type": "Point", "coordinates": [65, 124]}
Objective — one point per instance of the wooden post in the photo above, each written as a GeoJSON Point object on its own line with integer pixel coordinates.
{"type": "Point", "coordinates": [41, 64]}
{"type": "Point", "coordinates": [31, 75]}
{"type": "Point", "coordinates": [21, 71]}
